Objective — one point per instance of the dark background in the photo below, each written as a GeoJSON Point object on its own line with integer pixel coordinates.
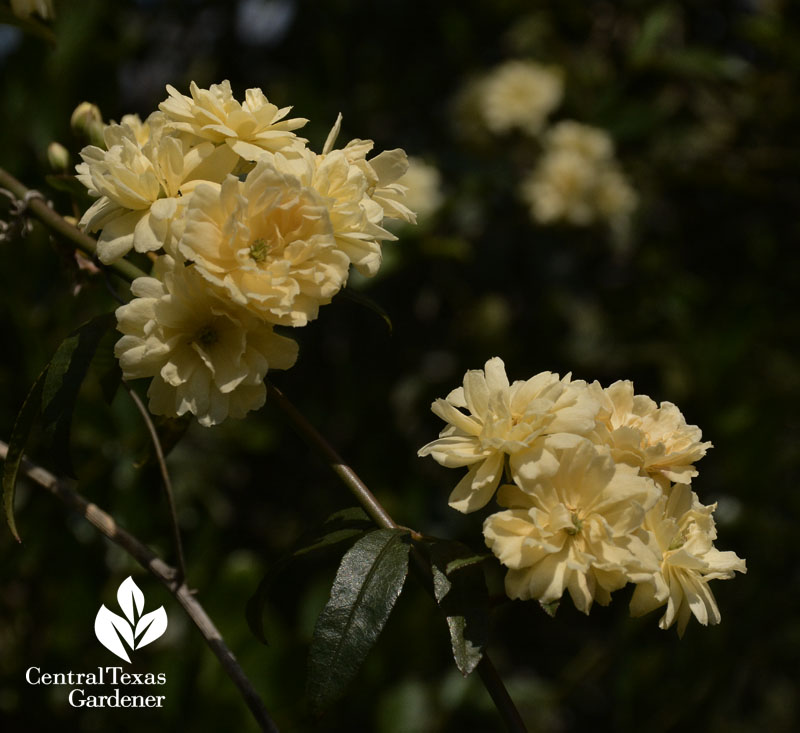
{"type": "Point", "coordinates": [699, 309]}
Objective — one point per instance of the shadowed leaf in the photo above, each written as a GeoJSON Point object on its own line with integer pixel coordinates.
{"type": "Point", "coordinates": [16, 447]}
{"type": "Point", "coordinates": [65, 374]}
{"type": "Point", "coordinates": [369, 580]}
{"type": "Point", "coordinates": [170, 430]}
{"type": "Point", "coordinates": [367, 302]}
{"type": "Point", "coordinates": [341, 526]}
{"type": "Point", "coordinates": [460, 589]}
{"type": "Point", "coordinates": [67, 184]}
{"type": "Point", "coordinates": [106, 368]}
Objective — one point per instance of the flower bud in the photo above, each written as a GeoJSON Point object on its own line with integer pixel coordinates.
{"type": "Point", "coordinates": [26, 8]}
{"type": "Point", "coordinates": [87, 122]}
{"type": "Point", "coordinates": [58, 157]}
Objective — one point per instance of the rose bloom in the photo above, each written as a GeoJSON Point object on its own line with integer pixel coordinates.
{"type": "Point", "coordinates": [655, 438]}
{"type": "Point", "coordinates": [525, 420]}
{"type": "Point", "coordinates": [359, 194]}
{"type": "Point", "coordinates": [520, 94]}
{"type": "Point", "coordinates": [383, 173]}
{"type": "Point", "coordinates": [249, 128]}
{"type": "Point", "coordinates": [682, 533]}
{"type": "Point", "coordinates": [561, 188]}
{"type": "Point", "coordinates": [205, 356]}
{"type": "Point", "coordinates": [591, 143]}
{"type": "Point", "coordinates": [577, 179]}
{"type": "Point", "coordinates": [267, 243]}
{"type": "Point", "coordinates": [578, 530]}
{"type": "Point", "coordinates": [139, 180]}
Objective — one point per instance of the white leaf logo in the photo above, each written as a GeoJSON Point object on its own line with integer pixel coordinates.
{"type": "Point", "coordinates": [111, 629]}
{"type": "Point", "coordinates": [151, 626]}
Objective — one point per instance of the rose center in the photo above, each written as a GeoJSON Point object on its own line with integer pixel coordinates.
{"type": "Point", "coordinates": [577, 522]}
{"type": "Point", "coordinates": [259, 249]}
{"type": "Point", "coordinates": [207, 336]}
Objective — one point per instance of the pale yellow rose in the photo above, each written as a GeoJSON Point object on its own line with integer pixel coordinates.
{"type": "Point", "coordinates": [577, 179]}
{"type": "Point", "coordinates": [205, 356]}
{"type": "Point", "coordinates": [356, 219]}
{"type": "Point", "coordinates": [682, 534]}
{"type": "Point", "coordinates": [250, 128]}
{"type": "Point", "coordinates": [139, 181]}
{"type": "Point", "coordinates": [561, 188]}
{"type": "Point", "coordinates": [520, 94]}
{"type": "Point", "coordinates": [578, 530]}
{"type": "Point", "coordinates": [652, 437]}
{"type": "Point", "coordinates": [383, 173]}
{"type": "Point", "coordinates": [267, 243]}
{"type": "Point", "coordinates": [526, 420]}
{"type": "Point", "coordinates": [591, 143]}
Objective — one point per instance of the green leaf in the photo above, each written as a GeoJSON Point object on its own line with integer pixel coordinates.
{"type": "Point", "coordinates": [460, 589]}
{"type": "Point", "coordinates": [368, 583]}
{"type": "Point", "coordinates": [65, 374]}
{"type": "Point", "coordinates": [105, 366]}
{"type": "Point", "coordinates": [341, 526]}
{"type": "Point", "coordinates": [655, 29]}
{"type": "Point", "coordinates": [16, 446]}
{"type": "Point", "coordinates": [53, 395]}
{"type": "Point", "coordinates": [170, 430]}
{"type": "Point", "coordinates": [254, 610]}
{"type": "Point", "coordinates": [367, 302]}
{"type": "Point", "coordinates": [67, 184]}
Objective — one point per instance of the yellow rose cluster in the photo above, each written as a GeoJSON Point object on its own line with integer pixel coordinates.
{"type": "Point", "coordinates": [597, 491]}
{"type": "Point", "coordinates": [577, 179]}
{"type": "Point", "coordinates": [250, 229]}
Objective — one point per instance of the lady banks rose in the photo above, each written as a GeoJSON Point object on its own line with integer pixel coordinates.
{"type": "Point", "coordinates": [524, 420]}
{"type": "Point", "coordinates": [266, 243]}
{"type": "Point", "coordinates": [205, 356]}
{"type": "Point", "coordinates": [578, 530]}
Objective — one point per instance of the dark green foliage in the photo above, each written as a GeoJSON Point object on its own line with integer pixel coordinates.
{"type": "Point", "coordinates": [364, 300]}
{"type": "Point", "coordinates": [460, 590]}
{"type": "Point", "coordinates": [342, 526]}
{"type": "Point", "coordinates": [368, 582]}
{"type": "Point", "coordinates": [16, 447]}
{"type": "Point", "coordinates": [52, 398]}
{"type": "Point", "coordinates": [65, 374]}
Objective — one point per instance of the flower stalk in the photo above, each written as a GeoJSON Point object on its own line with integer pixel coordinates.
{"type": "Point", "coordinates": [31, 202]}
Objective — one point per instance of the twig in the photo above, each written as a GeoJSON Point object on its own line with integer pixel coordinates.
{"type": "Point", "coordinates": [162, 464]}
{"type": "Point", "coordinates": [166, 574]}
{"type": "Point", "coordinates": [357, 487]}
{"type": "Point", "coordinates": [38, 207]}
{"type": "Point", "coordinates": [486, 669]}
